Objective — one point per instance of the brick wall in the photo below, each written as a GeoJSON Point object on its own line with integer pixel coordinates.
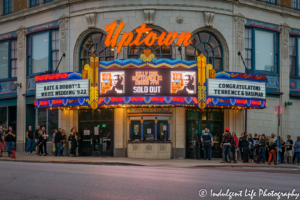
{"type": "Point", "coordinates": [19, 5]}
{"type": "Point", "coordinates": [286, 3]}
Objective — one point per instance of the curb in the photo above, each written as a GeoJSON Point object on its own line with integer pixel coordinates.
{"type": "Point", "coordinates": [77, 162]}
{"type": "Point", "coordinates": [252, 166]}
{"type": "Point", "coordinates": [132, 164]}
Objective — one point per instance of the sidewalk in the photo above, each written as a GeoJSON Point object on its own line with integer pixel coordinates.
{"type": "Point", "coordinates": [23, 157]}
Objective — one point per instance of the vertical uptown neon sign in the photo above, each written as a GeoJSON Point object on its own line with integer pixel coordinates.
{"type": "Point", "coordinates": [126, 40]}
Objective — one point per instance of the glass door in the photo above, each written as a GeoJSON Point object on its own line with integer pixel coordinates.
{"type": "Point", "coordinates": [106, 138]}
{"type": "Point", "coordinates": [86, 132]}
{"type": "Point", "coordinates": [192, 131]}
{"type": "Point", "coordinates": [149, 130]}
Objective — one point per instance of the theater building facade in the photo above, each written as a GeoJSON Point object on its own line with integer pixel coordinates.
{"type": "Point", "coordinates": [142, 79]}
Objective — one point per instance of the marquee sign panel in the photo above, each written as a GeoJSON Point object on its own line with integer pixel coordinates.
{"type": "Point", "coordinates": [236, 88]}
{"type": "Point", "coordinates": [62, 89]}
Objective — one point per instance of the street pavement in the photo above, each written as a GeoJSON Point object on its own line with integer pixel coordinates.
{"type": "Point", "coordinates": [47, 181]}
{"type": "Point", "coordinates": [23, 157]}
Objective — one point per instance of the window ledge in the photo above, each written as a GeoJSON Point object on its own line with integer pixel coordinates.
{"type": "Point", "coordinates": [8, 79]}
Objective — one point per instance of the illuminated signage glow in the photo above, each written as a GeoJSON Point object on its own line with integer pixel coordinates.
{"type": "Point", "coordinates": [59, 89]}
{"type": "Point", "coordinates": [126, 40]}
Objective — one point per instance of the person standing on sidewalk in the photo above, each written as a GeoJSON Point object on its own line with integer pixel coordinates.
{"type": "Point", "coordinates": [53, 141]}
{"type": "Point", "coordinates": [245, 145]}
{"type": "Point", "coordinates": [45, 136]}
{"type": "Point", "coordinates": [226, 140]}
{"type": "Point", "coordinates": [2, 142]}
{"type": "Point", "coordinates": [10, 139]}
{"type": "Point", "coordinates": [251, 147]}
{"type": "Point", "coordinates": [233, 147]}
{"type": "Point", "coordinates": [207, 141]}
{"type": "Point", "coordinates": [40, 142]}
{"type": "Point", "coordinates": [272, 151]}
{"type": "Point", "coordinates": [73, 139]}
{"type": "Point", "coordinates": [297, 149]}
{"type": "Point", "coordinates": [236, 149]}
{"type": "Point", "coordinates": [63, 140]}
{"type": "Point", "coordinates": [289, 149]}
{"type": "Point", "coordinates": [241, 145]}
{"type": "Point", "coordinates": [78, 138]}
{"type": "Point", "coordinates": [256, 147]}
{"type": "Point", "coordinates": [282, 150]}
{"type": "Point", "coordinates": [36, 134]}
{"type": "Point", "coordinates": [262, 152]}
{"type": "Point", "coordinates": [30, 139]}
{"type": "Point", "coordinates": [57, 142]}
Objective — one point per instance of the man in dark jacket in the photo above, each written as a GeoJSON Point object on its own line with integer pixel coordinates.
{"type": "Point", "coordinates": [262, 151]}
{"type": "Point", "coordinates": [207, 141]}
{"type": "Point", "coordinates": [226, 140]}
{"type": "Point", "coordinates": [73, 139]}
{"type": "Point", "coordinates": [57, 141]}
{"type": "Point", "coordinates": [245, 146]}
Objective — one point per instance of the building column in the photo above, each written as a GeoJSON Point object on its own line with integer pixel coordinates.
{"type": "Point", "coordinates": [155, 128]}
{"type": "Point", "coordinates": [119, 132]}
{"type": "Point", "coordinates": [63, 44]}
{"type": "Point", "coordinates": [179, 120]}
{"type": "Point", "coordinates": [21, 79]}
{"type": "Point", "coordinates": [284, 76]}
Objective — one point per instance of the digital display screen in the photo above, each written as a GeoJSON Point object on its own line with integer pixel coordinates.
{"type": "Point", "coordinates": [148, 82]}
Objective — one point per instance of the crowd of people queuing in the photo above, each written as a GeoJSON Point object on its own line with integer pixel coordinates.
{"type": "Point", "coordinates": [39, 138]}
{"type": "Point", "coordinates": [258, 149]}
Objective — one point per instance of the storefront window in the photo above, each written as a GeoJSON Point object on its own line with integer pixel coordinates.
{"type": "Point", "coordinates": [106, 114]}
{"type": "Point", "coordinates": [3, 116]}
{"type": "Point", "coordinates": [162, 130]}
{"type": "Point", "coordinates": [149, 130]}
{"type": "Point", "coordinates": [40, 52]}
{"type": "Point", "coordinates": [294, 51]}
{"type": "Point", "coordinates": [207, 44]}
{"type": "Point", "coordinates": [261, 50]}
{"type": "Point", "coordinates": [264, 54]}
{"type": "Point", "coordinates": [7, 6]}
{"type": "Point", "coordinates": [4, 59]}
{"type": "Point", "coordinates": [159, 51]}
{"type": "Point", "coordinates": [135, 133]}
{"type": "Point", "coordinates": [86, 115]}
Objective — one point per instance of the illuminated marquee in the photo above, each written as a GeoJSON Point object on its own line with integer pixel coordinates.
{"type": "Point", "coordinates": [126, 40]}
{"type": "Point", "coordinates": [146, 78]}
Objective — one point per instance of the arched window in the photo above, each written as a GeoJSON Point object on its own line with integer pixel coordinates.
{"type": "Point", "coordinates": [158, 51]}
{"type": "Point", "coordinates": [206, 43]}
{"type": "Point", "coordinates": [94, 44]}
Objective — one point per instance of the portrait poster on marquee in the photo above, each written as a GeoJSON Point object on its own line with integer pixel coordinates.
{"type": "Point", "coordinates": [112, 83]}
{"type": "Point", "coordinates": [183, 82]}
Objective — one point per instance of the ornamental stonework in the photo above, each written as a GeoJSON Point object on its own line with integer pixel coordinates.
{"type": "Point", "coordinates": [63, 30]}
{"type": "Point", "coordinates": [149, 147]}
{"type": "Point", "coordinates": [135, 147]}
{"type": "Point", "coordinates": [162, 147]}
{"type": "Point", "coordinates": [285, 30]}
{"type": "Point", "coordinates": [21, 43]}
{"type": "Point", "coordinates": [240, 31]}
